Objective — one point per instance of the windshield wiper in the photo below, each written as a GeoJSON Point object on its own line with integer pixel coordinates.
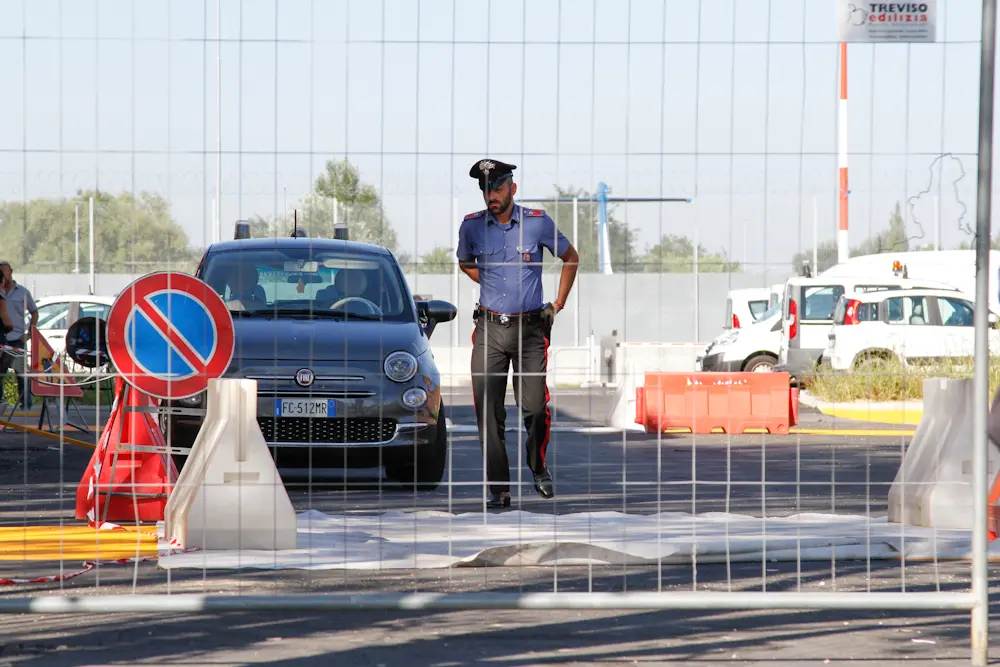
{"type": "Point", "coordinates": [328, 313]}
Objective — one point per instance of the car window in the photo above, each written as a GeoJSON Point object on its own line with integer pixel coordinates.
{"type": "Point", "coordinates": [53, 316]}
{"type": "Point", "coordinates": [98, 310]}
{"type": "Point", "coordinates": [955, 312]}
{"type": "Point", "coordinates": [757, 308]}
{"type": "Point", "coordinates": [821, 301]}
{"type": "Point", "coordinates": [907, 310]}
{"type": "Point", "coordinates": [875, 288]}
{"type": "Point", "coordinates": [868, 312]}
{"type": "Point", "coordinates": [308, 279]}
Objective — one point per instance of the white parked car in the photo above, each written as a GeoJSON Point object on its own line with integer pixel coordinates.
{"type": "Point", "coordinates": [808, 313]}
{"type": "Point", "coordinates": [911, 326]}
{"type": "Point", "coordinates": [745, 306]}
{"type": "Point", "coordinates": [56, 314]}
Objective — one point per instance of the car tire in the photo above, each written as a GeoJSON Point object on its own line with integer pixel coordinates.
{"type": "Point", "coordinates": [427, 472]}
{"type": "Point", "coordinates": [764, 362]}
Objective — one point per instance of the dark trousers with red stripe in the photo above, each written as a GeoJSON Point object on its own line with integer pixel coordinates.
{"type": "Point", "coordinates": [495, 348]}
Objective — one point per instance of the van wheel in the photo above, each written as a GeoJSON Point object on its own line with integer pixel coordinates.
{"type": "Point", "coordinates": [760, 363]}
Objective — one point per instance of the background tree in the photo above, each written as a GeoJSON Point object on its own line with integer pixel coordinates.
{"type": "Point", "coordinates": [133, 234]}
{"type": "Point", "coordinates": [359, 206]}
{"type": "Point", "coordinates": [675, 254]}
{"type": "Point", "coordinates": [622, 239]}
{"type": "Point", "coordinates": [893, 239]}
{"type": "Point", "coordinates": [439, 260]}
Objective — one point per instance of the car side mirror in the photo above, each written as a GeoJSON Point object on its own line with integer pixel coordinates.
{"type": "Point", "coordinates": [87, 342]}
{"type": "Point", "coordinates": [433, 312]}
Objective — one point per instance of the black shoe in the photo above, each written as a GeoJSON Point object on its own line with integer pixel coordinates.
{"type": "Point", "coordinates": [498, 500]}
{"type": "Point", "coordinates": [543, 484]}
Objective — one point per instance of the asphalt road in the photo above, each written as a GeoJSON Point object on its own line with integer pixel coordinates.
{"type": "Point", "coordinates": [635, 473]}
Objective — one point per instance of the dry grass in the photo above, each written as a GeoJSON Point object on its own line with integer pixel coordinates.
{"type": "Point", "coordinates": [882, 380]}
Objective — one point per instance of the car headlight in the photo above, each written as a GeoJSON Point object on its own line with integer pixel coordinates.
{"type": "Point", "coordinates": [192, 401]}
{"type": "Point", "coordinates": [400, 366]}
{"type": "Point", "coordinates": [414, 398]}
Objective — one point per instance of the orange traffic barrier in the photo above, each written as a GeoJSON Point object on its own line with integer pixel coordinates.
{"type": "Point", "coordinates": [714, 402]}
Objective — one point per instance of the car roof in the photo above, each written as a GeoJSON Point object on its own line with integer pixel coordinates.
{"type": "Point", "coordinates": [866, 279]}
{"type": "Point", "coordinates": [65, 298]}
{"type": "Point", "coordinates": [320, 243]}
{"type": "Point", "coordinates": [917, 291]}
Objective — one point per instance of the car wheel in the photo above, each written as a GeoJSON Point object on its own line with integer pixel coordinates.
{"type": "Point", "coordinates": [760, 363]}
{"type": "Point", "coordinates": [427, 471]}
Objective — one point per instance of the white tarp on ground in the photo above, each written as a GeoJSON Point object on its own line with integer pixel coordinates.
{"type": "Point", "coordinates": [411, 540]}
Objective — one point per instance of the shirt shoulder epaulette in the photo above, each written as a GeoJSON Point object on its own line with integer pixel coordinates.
{"type": "Point", "coordinates": [477, 214]}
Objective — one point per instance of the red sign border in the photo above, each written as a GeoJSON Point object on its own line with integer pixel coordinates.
{"type": "Point", "coordinates": [125, 304]}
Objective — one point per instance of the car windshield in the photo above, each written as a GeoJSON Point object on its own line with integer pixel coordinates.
{"type": "Point", "coordinates": [308, 282]}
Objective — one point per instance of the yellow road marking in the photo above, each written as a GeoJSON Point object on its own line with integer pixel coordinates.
{"type": "Point", "coordinates": [76, 543]}
{"type": "Point", "coordinates": [53, 436]}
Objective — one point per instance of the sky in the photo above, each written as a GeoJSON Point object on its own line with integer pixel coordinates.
{"type": "Point", "coordinates": [731, 103]}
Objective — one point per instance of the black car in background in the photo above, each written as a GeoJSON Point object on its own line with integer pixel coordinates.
{"type": "Point", "coordinates": [340, 351]}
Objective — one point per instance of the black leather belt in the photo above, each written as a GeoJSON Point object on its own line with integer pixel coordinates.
{"type": "Point", "coordinates": [507, 318]}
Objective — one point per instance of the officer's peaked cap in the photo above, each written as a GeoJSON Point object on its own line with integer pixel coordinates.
{"type": "Point", "coordinates": [491, 173]}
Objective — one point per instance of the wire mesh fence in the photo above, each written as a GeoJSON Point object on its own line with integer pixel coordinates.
{"type": "Point", "coordinates": [692, 157]}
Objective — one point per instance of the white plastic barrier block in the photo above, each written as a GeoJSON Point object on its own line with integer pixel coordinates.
{"type": "Point", "coordinates": [229, 494]}
{"type": "Point", "coordinates": [623, 410]}
{"type": "Point", "coordinates": [933, 486]}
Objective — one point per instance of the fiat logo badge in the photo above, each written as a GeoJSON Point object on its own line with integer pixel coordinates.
{"type": "Point", "coordinates": [304, 377]}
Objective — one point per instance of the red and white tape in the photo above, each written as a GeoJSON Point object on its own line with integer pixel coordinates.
{"type": "Point", "coordinates": [92, 564]}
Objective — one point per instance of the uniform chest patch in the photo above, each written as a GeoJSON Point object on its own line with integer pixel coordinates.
{"type": "Point", "coordinates": [525, 256]}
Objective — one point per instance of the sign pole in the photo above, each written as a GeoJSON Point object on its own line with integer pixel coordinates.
{"type": "Point", "coordinates": [981, 391]}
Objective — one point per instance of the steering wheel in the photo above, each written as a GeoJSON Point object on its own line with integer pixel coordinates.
{"type": "Point", "coordinates": [371, 306]}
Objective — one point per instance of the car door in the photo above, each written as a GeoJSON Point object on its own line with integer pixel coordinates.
{"type": "Point", "coordinates": [816, 316]}
{"type": "Point", "coordinates": [957, 327]}
{"type": "Point", "coordinates": [910, 329]}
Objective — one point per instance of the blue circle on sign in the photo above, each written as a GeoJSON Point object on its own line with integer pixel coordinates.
{"type": "Point", "coordinates": [148, 342]}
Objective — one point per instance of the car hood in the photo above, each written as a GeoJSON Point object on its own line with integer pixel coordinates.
{"type": "Point", "coordinates": [311, 340]}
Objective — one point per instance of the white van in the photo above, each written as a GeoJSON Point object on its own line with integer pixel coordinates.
{"type": "Point", "coordinates": [752, 349]}
{"type": "Point", "coordinates": [957, 268]}
{"type": "Point", "coordinates": [745, 306]}
{"type": "Point", "coordinates": [808, 308]}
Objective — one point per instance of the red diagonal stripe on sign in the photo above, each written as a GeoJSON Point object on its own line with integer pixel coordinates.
{"type": "Point", "coordinates": [172, 335]}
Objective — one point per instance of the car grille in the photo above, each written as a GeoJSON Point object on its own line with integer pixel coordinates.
{"type": "Point", "coordinates": [333, 431]}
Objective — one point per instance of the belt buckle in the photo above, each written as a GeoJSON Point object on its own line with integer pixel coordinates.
{"type": "Point", "coordinates": [504, 318]}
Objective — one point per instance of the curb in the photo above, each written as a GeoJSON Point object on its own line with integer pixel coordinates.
{"type": "Point", "coordinates": [906, 413]}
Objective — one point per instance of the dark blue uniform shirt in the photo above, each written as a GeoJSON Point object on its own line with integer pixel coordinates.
{"type": "Point", "coordinates": [509, 257]}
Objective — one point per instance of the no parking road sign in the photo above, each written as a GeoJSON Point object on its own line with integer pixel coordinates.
{"type": "Point", "coordinates": [168, 334]}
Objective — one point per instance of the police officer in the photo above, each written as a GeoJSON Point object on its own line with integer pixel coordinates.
{"type": "Point", "coordinates": [501, 248]}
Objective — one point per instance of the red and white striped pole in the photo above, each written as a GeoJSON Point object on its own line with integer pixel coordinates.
{"type": "Point", "coordinates": [842, 254]}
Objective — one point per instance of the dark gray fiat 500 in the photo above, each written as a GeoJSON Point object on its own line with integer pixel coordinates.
{"type": "Point", "coordinates": [340, 351]}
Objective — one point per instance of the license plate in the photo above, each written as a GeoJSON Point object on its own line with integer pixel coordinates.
{"type": "Point", "coordinates": [318, 408]}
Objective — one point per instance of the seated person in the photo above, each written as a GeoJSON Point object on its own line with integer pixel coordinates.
{"type": "Point", "coordinates": [244, 288]}
{"type": "Point", "coordinates": [353, 284]}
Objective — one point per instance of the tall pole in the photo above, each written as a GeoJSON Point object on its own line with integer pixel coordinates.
{"type": "Point", "coordinates": [815, 270]}
{"type": "Point", "coordinates": [218, 120]}
{"type": "Point", "coordinates": [981, 382]}
{"type": "Point", "coordinates": [92, 266]}
{"type": "Point", "coordinates": [697, 298]}
{"type": "Point", "coordinates": [937, 222]}
{"type": "Point", "coordinates": [76, 216]}
{"type": "Point", "coordinates": [842, 158]}
{"type": "Point", "coordinates": [454, 270]}
{"type": "Point", "coordinates": [576, 292]}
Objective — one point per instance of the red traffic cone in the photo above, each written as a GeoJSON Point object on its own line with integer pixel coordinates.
{"type": "Point", "coordinates": [130, 475]}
